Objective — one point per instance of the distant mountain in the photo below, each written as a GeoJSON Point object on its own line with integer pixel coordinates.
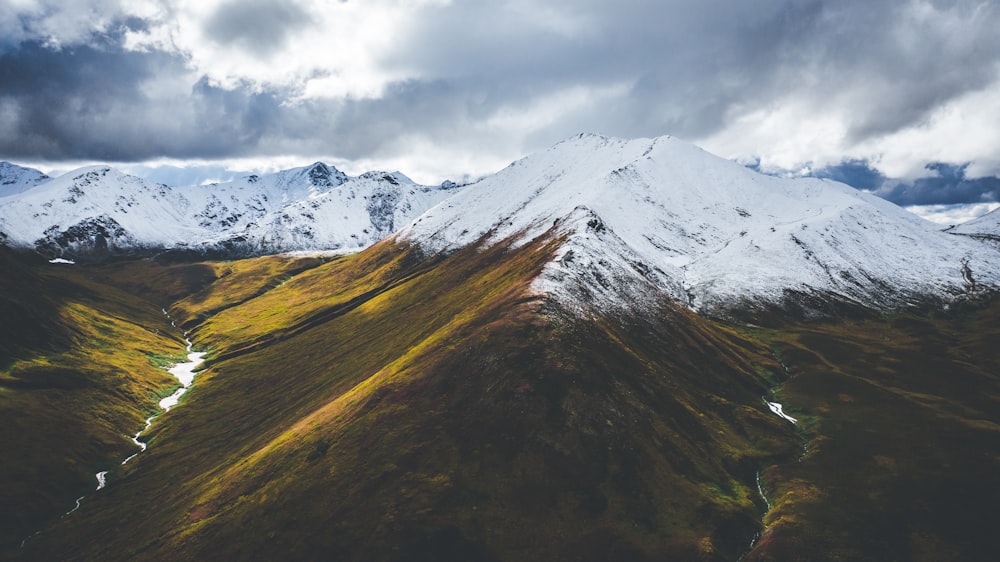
{"type": "Point", "coordinates": [100, 210]}
{"type": "Point", "coordinates": [638, 217]}
{"type": "Point", "coordinates": [15, 179]}
{"type": "Point", "coordinates": [648, 217]}
{"type": "Point", "coordinates": [986, 228]}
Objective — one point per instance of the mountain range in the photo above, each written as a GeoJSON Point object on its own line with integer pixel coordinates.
{"type": "Point", "coordinates": [610, 350]}
{"type": "Point", "coordinates": [653, 215]}
{"type": "Point", "coordinates": [98, 211]}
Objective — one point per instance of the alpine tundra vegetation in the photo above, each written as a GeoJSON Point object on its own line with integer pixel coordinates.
{"type": "Point", "coordinates": [610, 350]}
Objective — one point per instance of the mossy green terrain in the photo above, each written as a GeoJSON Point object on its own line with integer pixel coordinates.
{"type": "Point", "coordinates": [393, 405]}
{"type": "Point", "coordinates": [902, 417]}
{"type": "Point", "coordinates": [79, 370]}
{"type": "Point", "coordinates": [405, 406]}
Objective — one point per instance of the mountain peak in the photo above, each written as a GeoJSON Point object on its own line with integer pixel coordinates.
{"type": "Point", "coordinates": [17, 179]}
{"type": "Point", "coordinates": [322, 175]}
{"type": "Point", "coordinates": [704, 230]}
{"type": "Point", "coordinates": [315, 207]}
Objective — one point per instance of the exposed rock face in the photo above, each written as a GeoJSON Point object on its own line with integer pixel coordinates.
{"type": "Point", "coordinates": [98, 235]}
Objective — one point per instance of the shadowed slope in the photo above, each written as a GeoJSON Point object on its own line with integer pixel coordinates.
{"type": "Point", "coordinates": [904, 426]}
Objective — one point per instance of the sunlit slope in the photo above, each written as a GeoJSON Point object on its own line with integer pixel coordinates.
{"type": "Point", "coordinates": [414, 405]}
{"type": "Point", "coordinates": [396, 405]}
{"type": "Point", "coordinates": [79, 369]}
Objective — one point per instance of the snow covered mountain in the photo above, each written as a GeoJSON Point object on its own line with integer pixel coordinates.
{"type": "Point", "coordinates": [986, 228]}
{"type": "Point", "coordinates": [639, 220]}
{"type": "Point", "coordinates": [311, 208]}
{"type": "Point", "coordinates": [16, 179]}
{"type": "Point", "coordinates": [646, 218]}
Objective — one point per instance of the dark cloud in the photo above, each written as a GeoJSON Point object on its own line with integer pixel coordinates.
{"type": "Point", "coordinates": [692, 67]}
{"type": "Point", "coordinates": [855, 173]}
{"type": "Point", "coordinates": [94, 102]}
{"type": "Point", "coordinates": [950, 186]}
{"type": "Point", "coordinates": [684, 64]}
{"type": "Point", "coordinates": [684, 67]}
{"type": "Point", "coordinates": [258, 26]}
{"type": "Point", "coordinates": [946, 185]}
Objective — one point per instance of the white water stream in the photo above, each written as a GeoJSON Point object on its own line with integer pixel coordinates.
{"type": "Point", "coordinates": [184, 372]}
{"type": "Point", "coordinates": [777, 409]}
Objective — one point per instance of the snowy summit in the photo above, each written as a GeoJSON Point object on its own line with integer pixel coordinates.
{"type": "Point", "coordinates": [99, 209]}
{"type": "Point", "coordinates": [639, 219]}
{"type": "Point", "coordinates": [665, 217]}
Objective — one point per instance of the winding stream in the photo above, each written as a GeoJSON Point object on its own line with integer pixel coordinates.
{"type": "Point", "coordinates": [184, 373]}
{"type": "Point", "coordinates": [779, 410]}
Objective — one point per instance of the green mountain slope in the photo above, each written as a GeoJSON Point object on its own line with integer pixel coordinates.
{"type": "Point", "coordinates": [904, 453]}
{"type": "Point", "coordinates": [79, 371]}
{"type": "Point", "coordinates": [403, 406]}
{"type": "Point", "coordinates": [393, 405]}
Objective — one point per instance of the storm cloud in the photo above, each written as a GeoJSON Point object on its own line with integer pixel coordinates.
{"type": "Point", "coordinates": [446, 89]}
{"type": "Point", "coordinates": [88, 102]}
{"type": "Point", "coordinates": [944, 184]}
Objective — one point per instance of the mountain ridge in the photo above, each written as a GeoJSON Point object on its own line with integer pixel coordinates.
{"type": "Point", "coordinates": [707, 231]}
{"type": "Point", "coordinates": [396, 404]}
{"type": "Point", "coordinates": [660, 214]}
{"type": "Point", "coordinates": [16, 179]}
{"type": "Point", "coordinates": [529, 370]}
{"type": "Point", "coordinates": [985, 228]}
{"type": "Point", "coordinates": [98, 210]}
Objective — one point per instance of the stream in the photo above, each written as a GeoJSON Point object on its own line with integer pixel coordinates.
{"type": "Point", "coordinates": [778, 410]}
{"type": "Point", "coordinates": [184, 373]}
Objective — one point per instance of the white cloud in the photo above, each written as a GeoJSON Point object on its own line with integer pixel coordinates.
{"type": "Point", "coordinates": [788, 134]}
{"type": "Point", "coordinates": [318, 49]}
{"type": "Point", "coordinates": [952, 214]}
{"type": "Point", "coordinates": [962, 130]}
{"type": "Point", "coordinates": [456, 87]}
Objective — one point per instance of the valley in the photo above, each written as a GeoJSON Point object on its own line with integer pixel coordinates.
{"type": "Point", "coordinates": [399, 405]}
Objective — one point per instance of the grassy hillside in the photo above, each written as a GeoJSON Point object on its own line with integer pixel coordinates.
{"type": "Point", "coordinates": [397, 406]}
{"type": "Point", "coordinates": [903, 458]}
{"type": "Point", "coordinates": [79, 369]}
{"type": "Point", "coordinates": [392, 405]}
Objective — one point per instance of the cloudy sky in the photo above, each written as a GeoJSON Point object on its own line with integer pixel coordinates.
{"type": "Point", "coordinates": [899, 97]}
